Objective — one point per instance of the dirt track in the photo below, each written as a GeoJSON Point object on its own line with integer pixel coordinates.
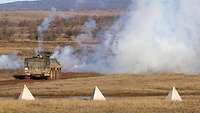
{"type": "Point", "coordinates": [15, 82]}
{"type": "Point", "coordinates": [4, 83]}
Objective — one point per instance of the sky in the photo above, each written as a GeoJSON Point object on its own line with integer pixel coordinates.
{"type": "Point", "coordinates": [6, 1]}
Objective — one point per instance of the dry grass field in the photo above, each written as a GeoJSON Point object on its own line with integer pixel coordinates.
{"type": "Point", "coordinates": [125, 94]}
{"type": "Point", "coordinates": [124, 105]}
{"type": "Point", "coordinates": [111, 85]}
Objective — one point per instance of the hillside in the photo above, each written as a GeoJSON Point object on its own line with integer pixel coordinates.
{"type": "Point", "coordinates": [66, 5]}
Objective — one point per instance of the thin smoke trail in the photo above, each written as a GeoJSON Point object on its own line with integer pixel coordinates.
{"type": "Point", "coordinates": [42, 28]}
{"type": "Point", "coordinates": [45, 25]}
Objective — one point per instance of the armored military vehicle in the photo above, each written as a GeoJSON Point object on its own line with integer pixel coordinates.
{"type": "Point", "coordinates": [42, 66]}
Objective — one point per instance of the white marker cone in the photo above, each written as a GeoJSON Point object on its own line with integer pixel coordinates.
{"type": "Point", "coordinates": [97, 95]}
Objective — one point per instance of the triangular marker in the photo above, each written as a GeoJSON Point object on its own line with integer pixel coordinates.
{"type": "Point", "coordinates": [26, 94]}
{"type": "Point", "coordinates": [97, 95]}
{"type": "Point", "coordinates": [174, 95]}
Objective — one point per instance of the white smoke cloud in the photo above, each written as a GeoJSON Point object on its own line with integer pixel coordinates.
{"type": "Point", "coordinates": [66, 57]}
{"type": "Point", "coordinates": [159, 36]}
{"type": "Point", "coordinates": [10, 62]}
{"type": "Point", "coordinates": [154, 36]}
{"type": "Point", "coordinates": [85, 59]}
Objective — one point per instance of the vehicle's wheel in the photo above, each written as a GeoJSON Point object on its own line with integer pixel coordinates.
{"type": "Point", "coordinates": [47, 78]}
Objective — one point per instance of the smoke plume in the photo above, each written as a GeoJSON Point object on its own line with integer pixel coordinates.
{"type": "Point", "coordinates": [42, 28]}
{"type": "Point", "coordinates": [45, 25]}
{"type": "Point", "coordinates": [159, 36]}
{"type": "Point", "coordinates": [154, 36]}
{"type": "Point", "coordinates": [10, 62]}
{"type": "Point", "coordinates": [66, 57]}
{"type": "Point", "coordinates": [69, 58]}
